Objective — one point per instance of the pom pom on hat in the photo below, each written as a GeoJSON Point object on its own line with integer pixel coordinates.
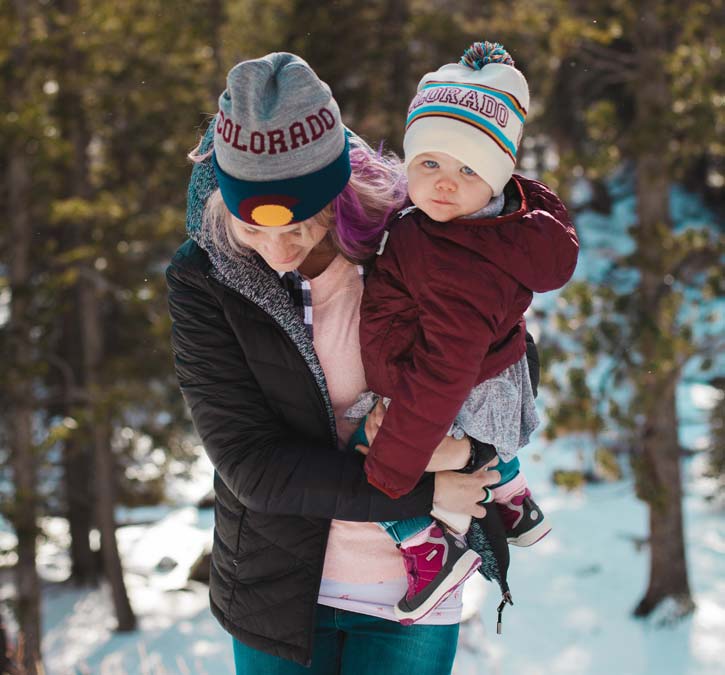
{"type": "Point", "coordinates": [480, 54]}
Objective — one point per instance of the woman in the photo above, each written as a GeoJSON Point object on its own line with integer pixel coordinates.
{"type": "Point", "coordinates": [265, 306]}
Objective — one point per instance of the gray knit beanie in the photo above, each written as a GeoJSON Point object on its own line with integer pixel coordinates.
{"type": "Point", "coordinates": [280, 148]}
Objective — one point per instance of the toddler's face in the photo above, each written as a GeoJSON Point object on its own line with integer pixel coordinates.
{"type": "Point", "coordinates": [444, 188]}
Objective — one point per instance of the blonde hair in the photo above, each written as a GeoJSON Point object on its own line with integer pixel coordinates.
{"type": "Point", "coordinates": [218, 219]}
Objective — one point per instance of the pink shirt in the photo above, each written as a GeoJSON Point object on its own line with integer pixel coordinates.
{"type": "Point", "coordinates": [363, 569]}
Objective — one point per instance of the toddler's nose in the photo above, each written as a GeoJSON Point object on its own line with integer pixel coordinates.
{"type": "Point", "coordinates": [446, 184]}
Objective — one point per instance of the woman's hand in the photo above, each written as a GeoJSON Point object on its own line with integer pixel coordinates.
{"type": "Point", "coordinates": [372, 424]}
{"type": "Point", "coordinates": [461, 492]}
{"type": "Point", "coordinates": [450, 455]}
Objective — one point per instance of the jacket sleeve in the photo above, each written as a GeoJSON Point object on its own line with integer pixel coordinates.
{"type": "Point", "coordinates": [386, 300]}
{"type": "Point", "coordinates": [457, 322]}
{"type": "Point", "coordinates": [266, 466]}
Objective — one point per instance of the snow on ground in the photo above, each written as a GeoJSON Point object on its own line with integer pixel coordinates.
{"type": "Point", "coordinates": [177, 634]}
{"type": "Point", "coordinates": [574, 592]}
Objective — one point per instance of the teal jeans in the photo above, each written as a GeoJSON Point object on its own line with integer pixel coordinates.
{"type": "Point", "coordinates": [348, 643]}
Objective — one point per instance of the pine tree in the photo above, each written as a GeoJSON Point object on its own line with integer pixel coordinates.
{"type": "Point", "coordinates": [18, 379]}
{"type": "Point", "coordinates": [616, 96]}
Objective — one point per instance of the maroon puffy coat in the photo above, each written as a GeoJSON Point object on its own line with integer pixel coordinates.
{"type": "Point", "coordinates": [443, 311]}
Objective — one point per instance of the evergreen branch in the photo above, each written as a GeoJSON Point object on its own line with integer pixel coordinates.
{"type": "Point", "coordinates": [612, 77]}
{"type": "Point", "coordinates": [695, 262]}
{"type": "Point", "coordinates": [621, 357]}
{"type": "Point", "coordinates": [609, 55]}
{"type": "Point", "coordinates": [607, 59]}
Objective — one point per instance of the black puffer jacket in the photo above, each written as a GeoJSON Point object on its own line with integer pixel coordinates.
{"type": "Point", "coordinates": [259, 401]}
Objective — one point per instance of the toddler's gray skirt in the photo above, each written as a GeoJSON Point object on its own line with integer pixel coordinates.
{"type": "Point", "coordinates": [500, 411]}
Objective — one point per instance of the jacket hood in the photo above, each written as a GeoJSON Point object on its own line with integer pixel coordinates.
{"type": "Point", "coordinates": [202, 185]}
{"type": "Point", "coordinates": [533, 240]}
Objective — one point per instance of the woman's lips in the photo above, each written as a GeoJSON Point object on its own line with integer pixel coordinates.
{"type": "Point", "coordinates": [286, 261]}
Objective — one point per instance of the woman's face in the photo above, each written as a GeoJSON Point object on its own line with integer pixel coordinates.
{"type": "Point", "coordinates": [283, 248]}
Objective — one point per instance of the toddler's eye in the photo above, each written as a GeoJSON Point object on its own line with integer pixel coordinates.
{"type": "Point", "coordinates": [467, 171]}
{"type": "Point", "coordinates": [250, 230]}
{"type": "Point", "coordinates": [430, 164]}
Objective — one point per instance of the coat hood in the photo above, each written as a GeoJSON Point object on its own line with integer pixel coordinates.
{"type": "Point", "coordinates": [533, 240]}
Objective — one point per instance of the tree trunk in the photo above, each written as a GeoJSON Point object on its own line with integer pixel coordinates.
{"type": "Point", "coordinates": [79, 505]}
{"type": "Point", "coordinates": [19, 364]}
{"type": "Point", "coordinates": [659, 476]}
{"type": "Point", "coordinates": [22, 450]}
{"type": "Point", "coordinates": [78, 455]}
{"type": "Point", "coordinates": [89, 294]}
{"type": "Point", "coordinates": [77, 450]}
{"type": "Point", "coordinates": [660, 485]}
{"type": "Point", "coordinates": [397, 92]}
{"type": "Point", "coordinates": [92, 340]}
{"type": "Point", "coordinates": [77, 459]}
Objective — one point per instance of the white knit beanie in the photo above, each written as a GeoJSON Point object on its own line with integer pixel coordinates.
{"type": "Point", "coordinates": [474, 111]}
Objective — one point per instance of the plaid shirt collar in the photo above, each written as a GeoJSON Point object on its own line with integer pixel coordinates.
{"type": "Point", "coordinates": [300, 291]}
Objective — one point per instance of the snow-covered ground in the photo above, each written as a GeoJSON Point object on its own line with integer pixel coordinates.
{"type": "Point", "coordinates": [574, 592]}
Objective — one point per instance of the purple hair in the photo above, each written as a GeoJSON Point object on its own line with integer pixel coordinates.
{"type": "Point", "coordinates": [377, 188]}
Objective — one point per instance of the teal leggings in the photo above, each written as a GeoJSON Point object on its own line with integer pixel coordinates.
{"type": "Point", "coordinates": [348, 643]}
{"type": "Point", "coordinates": [400, 530]}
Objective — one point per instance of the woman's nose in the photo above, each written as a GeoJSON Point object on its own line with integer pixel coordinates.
{"type": "Point", "coordinates": [278, 247]}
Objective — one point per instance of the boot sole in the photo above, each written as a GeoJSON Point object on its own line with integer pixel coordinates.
{"type": "Point", "coordinates": [468, 563]}
{"type": "Point", "coordinates": [532, 536]}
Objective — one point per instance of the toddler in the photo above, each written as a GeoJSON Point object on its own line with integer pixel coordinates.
{"type": "Point", "coordinates": [442, 330]}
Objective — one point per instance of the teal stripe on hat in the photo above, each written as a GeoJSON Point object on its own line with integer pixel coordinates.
{"type": "Point", "coordinates": [456, 112]}
{"type": "Point", "coordinates": [507, 99]}
{"type": "Point", "coordinates": [303, 196]}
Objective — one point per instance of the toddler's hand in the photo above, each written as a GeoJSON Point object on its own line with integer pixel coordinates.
{"type": "Point", "coordinates": [372, 424]}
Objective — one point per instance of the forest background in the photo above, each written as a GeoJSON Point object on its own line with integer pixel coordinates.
{"type": "Point", "coordinates": [101, 102]}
